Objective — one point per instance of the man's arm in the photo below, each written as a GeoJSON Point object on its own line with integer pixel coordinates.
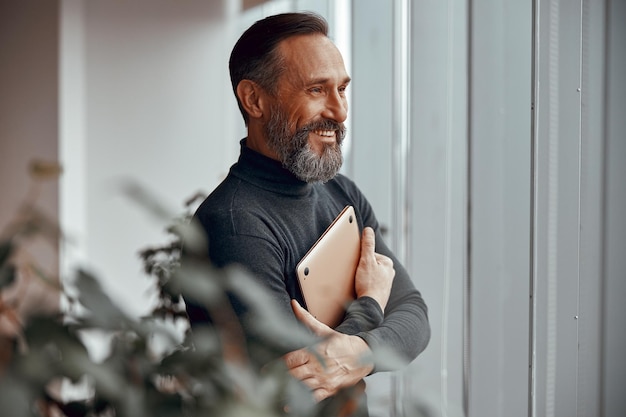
{"type": "Point", "coordinates": [344, 356]}
{"type": "Point", "coordinates": [405, 328]}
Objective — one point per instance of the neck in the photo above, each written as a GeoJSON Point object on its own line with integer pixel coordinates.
{"type": "Point", "coordinates": [257, 141]}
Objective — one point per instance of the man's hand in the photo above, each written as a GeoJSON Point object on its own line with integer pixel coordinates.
{"type": "Point", "coordinates": [342, 357]}
{"type": "Point", "coordinates": [375, 273]}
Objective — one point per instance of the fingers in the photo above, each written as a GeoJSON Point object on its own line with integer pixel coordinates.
{"type": "Point", "coordinates": [368, 248]}
{"type": "Point", "coordinates": [297, 358]}
{"type": "Point", "coordinates": [335, 363]}
{"type": "Point", "coordinates": [383, 260]}
{"type": "Point", "coordinates": [304, 366]}
{"type": "Point", "coordinates": [368, 242]}
{"type": "Point", "coordinates": [375, 272]}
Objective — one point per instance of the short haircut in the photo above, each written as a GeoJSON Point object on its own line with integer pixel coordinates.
{"type": "Point", "coordinates": [255, 56]}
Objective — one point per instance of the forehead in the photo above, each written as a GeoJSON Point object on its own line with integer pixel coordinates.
{"type": "Point", "coordinates": [312, 57]}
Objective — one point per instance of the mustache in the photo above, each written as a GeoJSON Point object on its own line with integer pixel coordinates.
{"type": "Point", "coordinates": [325, 124]}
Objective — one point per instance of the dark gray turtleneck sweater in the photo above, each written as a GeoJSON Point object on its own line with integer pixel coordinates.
{"type": "Point", "coordinates": [264, 218]}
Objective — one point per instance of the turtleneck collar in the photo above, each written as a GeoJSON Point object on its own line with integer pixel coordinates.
{"type": "Point", "coordinates": [267, 173]}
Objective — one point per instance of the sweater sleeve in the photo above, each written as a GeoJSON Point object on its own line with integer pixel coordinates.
{"type": "Point", "coordinates": [404, 328]}
{"type": "Point", "coordinates": [363, 314]}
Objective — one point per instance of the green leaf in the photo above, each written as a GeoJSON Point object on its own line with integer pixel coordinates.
{"type": "Point", "coordinates": [104, 312]}
{"type": "Point", "coordinates": [45, 170]}
{"type": "Point", "coordinates": [6, 250]}
{"type": "Point", "coordinates": [192, 233]}
{"type": "Point", "coordinates": [7, 271]}
{"type": "Point", "coordinates": [268, 323]}
{"type": "Point", "coordinates": [56, 347]}
{"type": "Point", "coordinates": [146, 199]}
{"type": "Point", "coordinates": [16, 396]}
{"type": "Point", "coordinates": [385, 358]}
{"type": "Point", "coordinates": [7, 276]}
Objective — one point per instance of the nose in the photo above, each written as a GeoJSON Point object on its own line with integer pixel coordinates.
{"type": "Point", "coordinates": [336, 107]}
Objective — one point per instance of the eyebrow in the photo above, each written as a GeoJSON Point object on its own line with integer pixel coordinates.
{"type": "Point", "coordinates": [346, 80]}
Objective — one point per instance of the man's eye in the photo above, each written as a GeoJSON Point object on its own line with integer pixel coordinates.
{"type": "Point", "coordinates": [315, 90]}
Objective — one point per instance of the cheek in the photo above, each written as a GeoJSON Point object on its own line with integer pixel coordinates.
{"type": "Point", "coordinates": [306, 115]}
{"type": "Point", "coordinates": [302, 111]}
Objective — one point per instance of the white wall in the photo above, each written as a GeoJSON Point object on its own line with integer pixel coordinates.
{"type": "Point", "coordinates": [437, 196]}
{"type": "Point", "coordinates": [148, 88]}
{"type": "Point", "coordinates": [500, 129]}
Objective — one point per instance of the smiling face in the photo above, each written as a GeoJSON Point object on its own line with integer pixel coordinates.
{"type": "Point", "coordinates": [305, 125]}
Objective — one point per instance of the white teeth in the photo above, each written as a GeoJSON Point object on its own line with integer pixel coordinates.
{"type": "Point", "coordinates": [325, 133]}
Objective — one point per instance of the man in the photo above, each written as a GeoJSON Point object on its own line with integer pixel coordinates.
{"type": "Point", "coordinates": [290, 83]}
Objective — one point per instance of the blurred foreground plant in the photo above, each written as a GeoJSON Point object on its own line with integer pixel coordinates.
{"type": "Point", "coordinates": [214, 371]}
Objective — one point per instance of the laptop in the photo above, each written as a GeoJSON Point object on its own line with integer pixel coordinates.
{"type": "Point", "coordinates": [326, 273]}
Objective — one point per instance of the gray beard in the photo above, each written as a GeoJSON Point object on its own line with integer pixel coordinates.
{"type": "Point", "coordinates": [295, 153]}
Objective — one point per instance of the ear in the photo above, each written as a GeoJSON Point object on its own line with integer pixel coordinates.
{"type": "Point", "coordinates": [252, 98]}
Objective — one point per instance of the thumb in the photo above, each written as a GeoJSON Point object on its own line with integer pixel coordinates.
{"type": "Point", "coordinates": [306, 318]}
{"type": "Point", "coordinates": [368, 242]}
